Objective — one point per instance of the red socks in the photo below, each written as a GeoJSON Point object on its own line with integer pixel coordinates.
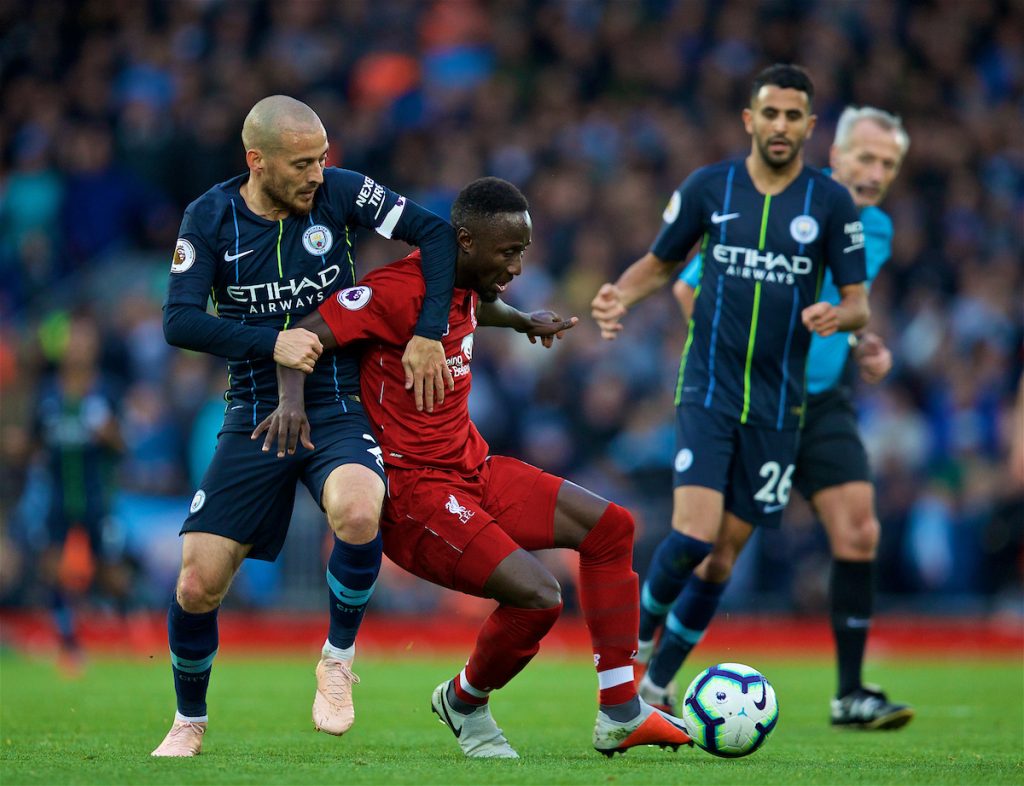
{"type": "Point", "coordinates": [507, 641]}
{"type": "Point", "coordinates": [609, 593]}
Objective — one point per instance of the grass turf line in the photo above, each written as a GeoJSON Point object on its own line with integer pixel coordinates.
{"type": "Point", "coordinates": [100, 729]}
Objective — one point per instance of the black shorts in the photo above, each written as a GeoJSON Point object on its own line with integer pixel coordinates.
{"type": "Point", "coordinates": [831, 451]}
{"type": "Point", "coordinates": [751, 466]}
{"type": "Point", "coordinates": [247, 495]}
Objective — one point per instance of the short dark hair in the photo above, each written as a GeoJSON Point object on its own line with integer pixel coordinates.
{"type": "Point", "coordinates": [784, 75]}
{"type": "Point", "coordinates": [485, 197]}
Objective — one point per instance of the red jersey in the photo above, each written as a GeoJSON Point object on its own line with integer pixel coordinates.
{"type": "Point", "coordinates": [381, 312]}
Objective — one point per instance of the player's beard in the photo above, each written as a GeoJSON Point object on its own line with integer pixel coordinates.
{"type": "Point", "coordinates": [284, 199]}
{"type": "Point", "coordinates": [777, 163]}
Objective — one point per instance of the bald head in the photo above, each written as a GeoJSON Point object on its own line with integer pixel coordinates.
{"type": "Point", "coordinates": [271, 121]}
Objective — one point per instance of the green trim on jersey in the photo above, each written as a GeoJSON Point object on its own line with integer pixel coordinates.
{"type": "Point", "coordinates": [764, 221]}
{"type": "Point", "coordinates": [689, 328]}
{"type": "Point", "coordinates": [754, 313]}
{"type": "Point", "coordinates": [216, 310]}
{"type": "Point", "coordinates": [750, 352]}
{"type": "Point", "coordinates": [280, 233]}
{"type": "Point", "coordinates": [280, 268]}
{"type": "Point", "coordinates": [351, 261]}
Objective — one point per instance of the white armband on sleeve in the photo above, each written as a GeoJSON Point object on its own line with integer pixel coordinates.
{"type": "Point", "coordinates": [387, 226]}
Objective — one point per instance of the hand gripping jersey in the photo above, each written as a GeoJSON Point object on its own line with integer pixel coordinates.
{"type": "Point", "coordinates": [264, 275]}
{"type": "Point", "coordinates": [379, 315]}
{"type": "Point", "coordinates": [764, 261]}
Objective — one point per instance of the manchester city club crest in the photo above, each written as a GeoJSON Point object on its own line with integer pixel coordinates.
{"type": "Point", "coordinates": [804, 229]}
{"type": "Point", "coordinates": [317, 240]}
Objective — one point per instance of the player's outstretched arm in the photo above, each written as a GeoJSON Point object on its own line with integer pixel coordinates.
{"type": "Point", "coordinates": [543, 325]}
{"type": "Point", "coordinates": [638, 281]}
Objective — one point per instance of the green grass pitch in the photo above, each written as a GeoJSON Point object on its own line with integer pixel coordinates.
{"type": "Point", "coordinates": [99, 729]}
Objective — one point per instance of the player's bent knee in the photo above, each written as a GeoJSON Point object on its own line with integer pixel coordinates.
{"type": "Point", "coordinates": [355, 525]}
{"type": "Point", "coordinates": [196, 594]}
{"type": "Point", "coordinates": [859, 539]}
{"type": "Point", "coordinates": [543, 594]}
{"type": "Point", "coordinates": [611, 535]}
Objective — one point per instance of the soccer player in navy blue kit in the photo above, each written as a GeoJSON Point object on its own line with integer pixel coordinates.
{"type": "Point", "coordinates": [269, 247]}
{"type": "Point", "coordinates": [769, 227]}
{"type": "Point", "coordinates": [832, 470]}
{"type": "Point", "coordinates": [76, 428]}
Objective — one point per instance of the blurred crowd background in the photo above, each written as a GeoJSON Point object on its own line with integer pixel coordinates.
{"type": "Point", "coordinates": [115, 114]}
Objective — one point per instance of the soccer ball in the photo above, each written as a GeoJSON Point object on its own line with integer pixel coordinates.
{"type": "Point", "coordinates": [730, 709]}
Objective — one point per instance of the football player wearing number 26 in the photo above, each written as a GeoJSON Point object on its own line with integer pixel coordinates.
{"type": "Point", "coordinates": [768, 227]}
{"type": "Point", "coordinates": [832, 469]}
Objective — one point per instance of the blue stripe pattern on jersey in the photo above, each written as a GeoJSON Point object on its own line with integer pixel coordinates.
{"type": "Point", "coordinates": [714, 339]}
{"type": "Point", "coordinates": [728, 198]}
{"type": "Point", "coordinates": [792, 321]}
{"type": "Point", "coordinates": [252, 372]}
{"type": "Point", "coordinates": [718, 295]}
{"type": "Point", "coordinates": [807, 203]}
{"type": "Point", "coordinates": [785, 358]}
{"type": "Point", "coordinates": [334, 358]}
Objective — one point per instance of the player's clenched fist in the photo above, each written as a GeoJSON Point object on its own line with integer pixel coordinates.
{"type": "Point", "coordinates": [607, 310]}
{"type": "Point", "coordinates": [873, 357]}
{"type": "Point", "coordinates": [297, 348]}
{"type": "Point", "coordinates": [821, 318]}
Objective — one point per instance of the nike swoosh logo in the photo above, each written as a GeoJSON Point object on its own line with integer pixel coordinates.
{"type": "Point", "coordinates": [764, 697]}
{"type": "Point", "coordinates": [232, 257]}
{"type": "Point", "coordinates": [718, 218]}
{"type": "Point", "coordinates": [773, 508]}
{"type": "Point", "coordinates": [854, 247]}
{"type": "Point", "coordinates": [448, 718]}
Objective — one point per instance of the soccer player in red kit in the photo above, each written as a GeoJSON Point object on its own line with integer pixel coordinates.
{"type": "Point", "coordinates": [468, 521]}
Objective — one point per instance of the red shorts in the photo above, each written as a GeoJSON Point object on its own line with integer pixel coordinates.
{"type": "Point", "coordinates": [454, 531]}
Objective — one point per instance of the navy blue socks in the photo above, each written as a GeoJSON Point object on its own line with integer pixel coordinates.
{"type": "Point", "coordinates": [351, 576]}
{"type": "Point", "coordinates": [690, 616]}
{"type": "Point", "coordinates": [673, 562]}
{"type": "Point", "coordinates": [193, 641]}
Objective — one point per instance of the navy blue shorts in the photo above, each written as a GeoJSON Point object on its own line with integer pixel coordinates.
{"type": "Point", "coordinates": [751, 466]}
{"type": "Point", "coordinates": [831, 450]}
{"type": "Point", "coordinates": [59, 525]}
{"type": "Point", "coordinates": [247, 495]}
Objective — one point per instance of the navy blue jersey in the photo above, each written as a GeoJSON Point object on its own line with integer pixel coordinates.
{"type": "Point", "coordinates": [764, 261]}
{"type": "Point", "coordinates": [263, 276]}
{"type": "Point", "coordinates": [80, 464]}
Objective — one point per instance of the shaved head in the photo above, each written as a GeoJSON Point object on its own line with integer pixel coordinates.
{"type": "Point", "coordinates": [273, 119]}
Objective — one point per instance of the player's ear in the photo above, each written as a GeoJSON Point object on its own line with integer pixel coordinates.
{"type": "Point", "coordinates": [811, 122]}
{"type": "Point", "coordinates": [464, 238]}
{"type": "Point", "coordinates": [254, 159]}
{"type": "Point", "coordinates": [748, 120]}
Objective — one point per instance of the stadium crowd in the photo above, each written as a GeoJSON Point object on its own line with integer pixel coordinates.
{"type": "Point", "coordinates": [114, 115]}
